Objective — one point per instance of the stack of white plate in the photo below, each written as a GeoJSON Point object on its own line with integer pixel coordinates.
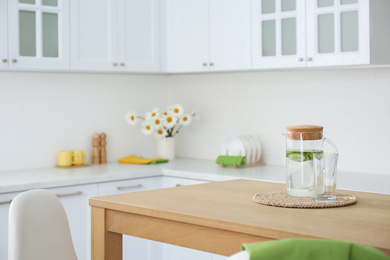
{"type": "Point", "coordinates": [242, 145]}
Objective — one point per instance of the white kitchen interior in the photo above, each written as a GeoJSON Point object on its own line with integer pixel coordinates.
{"type": "Point", "coordinates": [44, 111]}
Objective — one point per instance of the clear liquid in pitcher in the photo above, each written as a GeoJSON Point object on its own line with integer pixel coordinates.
{"type": "Point", "coordinates": [300, 172]}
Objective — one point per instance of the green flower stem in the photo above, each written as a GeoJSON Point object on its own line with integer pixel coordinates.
{"type": "Point", "coordinates": [177, 131]}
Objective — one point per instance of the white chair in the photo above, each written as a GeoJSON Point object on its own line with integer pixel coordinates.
{"type": "Point", "coordinates": [39, 228]}
{"type": "Point", "coordinates": [242, 255]}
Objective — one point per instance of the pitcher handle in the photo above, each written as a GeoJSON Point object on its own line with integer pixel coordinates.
{"type": "Point", "coordinates": [331, 144]}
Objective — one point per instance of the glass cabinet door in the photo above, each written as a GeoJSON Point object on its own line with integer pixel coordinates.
{"type": "Point", "coordinates": [278, 33]}
{"type": "Point", "coordinates": [3, 36]}
{"type": "Point", "coordinates": [337, 32]}
{"type": "Point", "coordinates": [38, 34]}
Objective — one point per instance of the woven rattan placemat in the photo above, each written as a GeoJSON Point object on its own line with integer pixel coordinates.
{"type": "Point", "coordinates": [282, 199]}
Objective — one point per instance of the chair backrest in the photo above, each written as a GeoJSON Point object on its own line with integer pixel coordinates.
{"type": "Point", "coordinates": [39, 228]}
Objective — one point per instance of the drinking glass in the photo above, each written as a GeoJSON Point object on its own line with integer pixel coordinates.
{"type": "Point", "coordinates": [325, 172]}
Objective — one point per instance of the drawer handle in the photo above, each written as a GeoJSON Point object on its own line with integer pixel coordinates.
{"type": "Point", "coordinates": [69, 194]}
{"type": "Point", "coordinates": [5, 202]}
{"type": "Point", "coordinates": [129, 187]}
{"type": "Point", "coordinates": [179, 185]}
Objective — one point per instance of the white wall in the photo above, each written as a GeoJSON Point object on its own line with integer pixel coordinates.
{"type": "Point", "coordinates": [353, 105]}
{"type": "Point", "coordinates": [43, 113]}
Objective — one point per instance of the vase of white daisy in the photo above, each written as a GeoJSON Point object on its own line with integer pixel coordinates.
{"type": "Point", "coordinates": [166, 148]}
{"type": "Point", "coordinates": [164, 125]}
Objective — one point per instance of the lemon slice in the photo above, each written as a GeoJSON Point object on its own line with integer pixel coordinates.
{"type": "Point", "coordinates": [298, 157]}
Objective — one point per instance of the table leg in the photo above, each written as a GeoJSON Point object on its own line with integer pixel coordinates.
{"type": "Point", "coordinates": [105, 245]}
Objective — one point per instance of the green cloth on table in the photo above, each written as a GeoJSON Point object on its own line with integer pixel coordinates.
{"type": "Point", "coordinates": [230, 160]}
{"type": "Point", "coordinates": [312, 249]}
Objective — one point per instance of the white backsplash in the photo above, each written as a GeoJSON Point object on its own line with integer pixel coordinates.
{"type": "Point", "coordinates": [353, 105]}
{"type": "Point", "coordinates": [43, 113]}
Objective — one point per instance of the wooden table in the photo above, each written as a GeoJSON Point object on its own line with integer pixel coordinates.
{"type": "Point", "coordinates": [218, 217]}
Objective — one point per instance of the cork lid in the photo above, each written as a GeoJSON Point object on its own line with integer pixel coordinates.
{"type": "Point", "coordinates": [304, 132]}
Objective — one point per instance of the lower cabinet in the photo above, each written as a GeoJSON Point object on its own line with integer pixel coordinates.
{"type": "Point", "coordinates": [133, 247]}
{"type": "Point", "coordinates": [5, 202]}
{"type": "Point", "coordinates": [171, 252]}
{"type": "Point", "coordinates": [75, 201]}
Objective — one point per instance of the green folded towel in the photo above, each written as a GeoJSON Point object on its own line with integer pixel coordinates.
{"type": "Point", "coordinates": [159, 161]}
{"type": "Point", "coordinates": [308, 249]}
{"type": "Point", "coordinates": [230, 160]}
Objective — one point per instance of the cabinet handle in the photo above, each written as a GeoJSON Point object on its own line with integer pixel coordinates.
{"type": "Point", "coordinates": [179, 185]}
{"type": "Point", "coordinates": [69, 194]}
{"type": "Point", "coordinates": [309, 59]}
{"type": "Point", "coordinates": [123, 64]}
{"type": "Point", "coordinates": [300, 59]}
{"type": "Point", "coordinates": [211, 64]}
{"type": "Point", "coordinates": [204, 64]}
{"type": "Point", "coordinates": [129, 187]}
{"type": "Point", "coordinates": [115, 64]}
{"type": "Point", "coordinates": [14, 60]}
{"type": "Point", "coordinates": [5, 202]}
{"type": "Point", "coordinates": [4, 60]}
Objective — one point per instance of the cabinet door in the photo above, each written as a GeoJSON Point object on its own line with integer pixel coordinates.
{"type": "Point", "coordinates": [94, 35]}
{"type": "Point", "coordinates": [172, 252]}
{"type": "Point", "coordinates": [188, 35]}
{"type": "Point", "coordinates": [134, 247]}
{"type": "Point", "coordinates": [139, 35]}
{"type": "Point", "coordinates": [3, 36]}
{"type": "Point", "coordinates": [5, 201]}
{"type": "Point", "coordinates": [75, 201]}
{"type": "Point", "coordinates": [278, 34]}
{"type": "Point", "coordinates": [230, 35]}
{"type": "Point", "coordinates": [38, 34]}
{"type": "Point", "coordinates": [168, 182]}
{"type": "Point", "coordinates": [338, 32]}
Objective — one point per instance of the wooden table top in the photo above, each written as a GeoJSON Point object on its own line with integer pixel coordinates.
{"type": "Point", "coordinates": [228, 205]}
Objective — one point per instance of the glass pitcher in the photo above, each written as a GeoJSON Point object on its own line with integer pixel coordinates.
{"type": "Point", "coordinates": [303, 142]}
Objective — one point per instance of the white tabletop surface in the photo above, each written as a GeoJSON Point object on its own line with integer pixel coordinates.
{"type": "Point", "coordinates": [20, 180]}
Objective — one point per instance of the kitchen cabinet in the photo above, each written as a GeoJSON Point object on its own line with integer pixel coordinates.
{"type": "Point", "coordinates": [34, 34]}
{"type": "Point", "coordinates": [305, 33]}
{"type": "Point", "coordinates": [133, 247]}
{"type": "Point", "coordinates": [75, 201]}
{"type": "Point", "coordinates": [3, 36]}
{"type": "Point", "coordinates": [5, 202]}
{"type": "Point", "coordinates": [120, 35]}
{"type": "Point", "coordinates": [208, 35]}
{"type": "Point", "coordinates": [172, 252]}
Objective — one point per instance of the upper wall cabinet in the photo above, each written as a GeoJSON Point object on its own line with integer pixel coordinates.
{"type": "Point", "coordinates": [298, 33]}
{"type": "Point", "coordinates": [208, 35]}
{"type": "Point", "coordinates": [3, 35]}
{"type": "Point", "coordinates": [121, 35]}
{"type": "Point", "coordinates": [38, 34]}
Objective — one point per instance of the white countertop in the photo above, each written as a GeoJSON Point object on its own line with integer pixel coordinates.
{"type": "Point", "coordinates": [14, 181]}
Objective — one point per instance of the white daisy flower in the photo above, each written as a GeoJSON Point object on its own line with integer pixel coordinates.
{"type": "Point", "coordinates": [160, 132]}
{"type": "Point", "coordinates": [157, 122]}
{"type": "Point", "coordinates": [186, 119]}
{"type": "Point", "coordinates": [131, 118]}
{"type": "Point", "coordinates": [147, 128]}
{"type": "Point", "coordinates": [151, 115]}
{"type": "Point", "coordinates": [170, 120]}
{"type": "Point", "coordinates": [176, 109]}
